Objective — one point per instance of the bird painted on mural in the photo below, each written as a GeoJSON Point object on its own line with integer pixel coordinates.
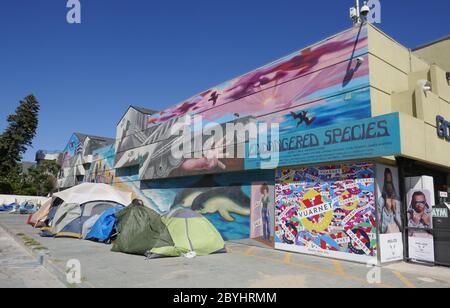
{"type": "Point", "coordinates": [214, 97]}
{"type": "Point", "coordinates": [303, 117]}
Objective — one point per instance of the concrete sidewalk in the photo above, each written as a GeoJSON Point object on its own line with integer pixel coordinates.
{"type": "Point", "coordinates": [19, 269]}
{"type": "Point", "coordinates": [242, 267]}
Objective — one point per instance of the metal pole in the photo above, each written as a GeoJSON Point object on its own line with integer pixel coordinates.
{"type": "Point", "coordinates": [358, 12]}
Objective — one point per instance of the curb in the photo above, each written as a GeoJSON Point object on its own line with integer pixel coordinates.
{"type": "Point", "coordinates": [48, 264]}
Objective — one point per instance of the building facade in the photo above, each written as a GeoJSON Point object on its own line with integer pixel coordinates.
{"type": "Point", "coordinates": [360, 122]}
{"type": "Point", "coordinates": [77, 158]}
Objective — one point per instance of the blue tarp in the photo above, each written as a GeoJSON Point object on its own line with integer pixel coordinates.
{"type": "Point", "coordinates": [103, 228]}
{"type": "Point", "coordinates": [4, 208]}
{"type": "Point", "coordinates": [27, 208]}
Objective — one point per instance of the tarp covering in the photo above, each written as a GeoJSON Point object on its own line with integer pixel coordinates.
{"type": "Point", "coordinates": [87, 226]}
{"type": "Point", "coordinates": [190, 232]}
{"type": "Point", "coordinates": [103, 228]}
{"type": "Point", "coordinates": [9, 207]}
{"type": "Point", "coordinates": [88, 192]}
{"type": "Point", "coordinates": [140, 229]}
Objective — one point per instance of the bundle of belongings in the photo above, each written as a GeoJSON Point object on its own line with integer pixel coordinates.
{"type": "Point", "coordinates": [26, 207]}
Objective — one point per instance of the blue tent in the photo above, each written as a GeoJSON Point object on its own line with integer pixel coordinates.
{"type": "Point", "coordinates": [103, 228]}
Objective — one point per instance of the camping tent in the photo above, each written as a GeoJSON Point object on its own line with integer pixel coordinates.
{"type": "Point", "coordinates": [86, 216]}
{"type": "Point", "coordinates": [66, 213]}
{"type": "Point", "coordinates": [88, 192]}
{"type": "Point", "coordinates": [81, 204]}
{"type": "Point", "coordinates": [139, 230]}
{"type": "Point", "coordinates": [38, 218]}
{"type": "Point", "coordinates": [190, 232]}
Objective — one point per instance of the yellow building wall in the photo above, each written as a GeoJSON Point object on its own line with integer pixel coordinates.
{"type": "Point", "coordinates": [436, 53]}
{"type": "Point", "coordinates": [396, 79]}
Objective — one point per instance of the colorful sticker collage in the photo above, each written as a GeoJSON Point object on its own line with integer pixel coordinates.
{"type": "Point", "coordinates": [330, 208]}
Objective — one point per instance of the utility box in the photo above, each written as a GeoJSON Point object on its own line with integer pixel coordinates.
{"type": "Point", "coordinates": [441, 226]}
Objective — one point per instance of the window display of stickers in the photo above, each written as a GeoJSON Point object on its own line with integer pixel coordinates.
{"type": "Point", "coordinates": [327, 211]}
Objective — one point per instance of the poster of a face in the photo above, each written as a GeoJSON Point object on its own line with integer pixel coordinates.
{"type": "Point", "coordinates": [262, 213]}
{"type": "Point", "coordinates": [420, 219]}
{"type": "Point", "coordinates": [389, 204]}
{"type": "Point", "coordinates": [420, 198]}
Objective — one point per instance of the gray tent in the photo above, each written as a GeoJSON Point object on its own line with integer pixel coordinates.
{"type": "Point", "coordinates": [66, 213]}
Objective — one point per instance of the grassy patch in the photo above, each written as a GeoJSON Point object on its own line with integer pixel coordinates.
{"type": "Point", "coordinates": [29, 241]}
{"type": "Point", "coordinates": [71, 285]}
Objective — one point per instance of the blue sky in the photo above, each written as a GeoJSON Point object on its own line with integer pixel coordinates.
{"type": "Point", "coordinates": [155, 53]}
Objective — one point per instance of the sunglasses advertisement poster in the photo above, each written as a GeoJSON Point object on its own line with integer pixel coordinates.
{"type": "Point", "coordinates": [420, 200]}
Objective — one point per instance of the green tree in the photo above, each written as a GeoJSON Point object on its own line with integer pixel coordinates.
{"type": "Point", "coordinates": [42, 179]}
{"type": "Point", "coordinates": [15, 140]}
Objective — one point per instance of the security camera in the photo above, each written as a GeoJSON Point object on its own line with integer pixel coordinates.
{"type": "Point", "coordinates": [353, 13]}
{"type": "Point", "coordinates": [427, 88]}
{"type": "Point", "coordinates": [426, 85]}
{"type": "Point", "coordinates": [365, 10]}
{"type": "Point", "coordinates": [360, 60]}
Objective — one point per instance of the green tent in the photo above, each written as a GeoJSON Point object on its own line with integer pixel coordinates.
{"type": "Point", "coordinates": [191, 232]}
{"type": "Point", "coordinates": [140, 229]}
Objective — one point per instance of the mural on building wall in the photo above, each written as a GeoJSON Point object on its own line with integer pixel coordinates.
{"type": "Point", "coordinates": [315, 87]}
{"type": "Point", "coordinates": [327, 210]}
{"type": "Point", "coordinates": [102, 166]}
{"type": "Point", "coordinates": [72, 163]}
{"type": "Point", "coordinates": [130, 134]}
{"type": "Point", "coordinates": [76, 156]}
{"type": "Point", "coordinates": [321, 66]}
{"type": "Point", "coordinates": [224, 199]}
{"type": "Point", "coordinates": [262, 226]}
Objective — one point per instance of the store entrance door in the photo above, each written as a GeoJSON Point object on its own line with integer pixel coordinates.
{"type": "Point", "coordinates": [441, 225]}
